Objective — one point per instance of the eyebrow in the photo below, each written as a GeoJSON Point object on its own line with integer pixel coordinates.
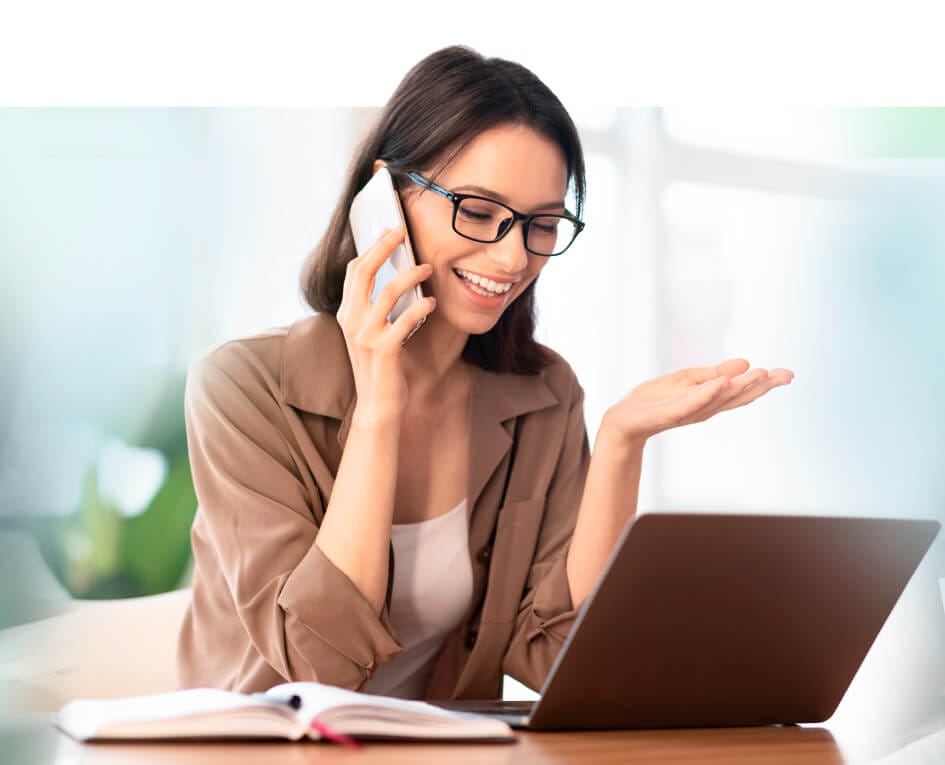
{"type": "Point", "coordinates": [501, 198]}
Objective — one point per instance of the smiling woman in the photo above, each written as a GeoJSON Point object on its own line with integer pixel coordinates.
{"type": "Point", "coordinates": [430, 133]}
{"type": "Point", "coordinates": [418, 518]}
{"type": "Point", "coordinates": [528, 167]}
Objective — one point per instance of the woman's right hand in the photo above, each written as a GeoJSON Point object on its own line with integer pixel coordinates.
{"type": "Point", "coordinates": [375, 344]}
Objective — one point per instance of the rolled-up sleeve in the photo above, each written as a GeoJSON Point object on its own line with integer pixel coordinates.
{"type": "Point", "coordinates": [546, 613]}
{"type": "Point", "coordinates": [266, 599]}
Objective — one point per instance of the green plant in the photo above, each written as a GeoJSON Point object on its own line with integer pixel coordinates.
{"type": "Point", "coordinates": [99, 552]}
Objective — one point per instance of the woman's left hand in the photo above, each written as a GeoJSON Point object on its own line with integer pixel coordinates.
{"type": "Point", "coordinates": [688, 396]}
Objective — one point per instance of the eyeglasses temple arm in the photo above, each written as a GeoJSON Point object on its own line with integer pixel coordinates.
{"type": "Point", "coordinates": [417, 178]}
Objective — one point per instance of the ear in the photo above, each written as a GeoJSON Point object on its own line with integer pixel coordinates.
{"type": "Point", "coordinates": [378, 164]}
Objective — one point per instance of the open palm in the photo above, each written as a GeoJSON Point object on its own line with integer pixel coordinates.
{"type": "Point", "coordinates": [692, 395]}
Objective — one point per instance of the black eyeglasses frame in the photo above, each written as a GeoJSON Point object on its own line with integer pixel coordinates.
{"type": "Point", "coordinates": [457, 199]}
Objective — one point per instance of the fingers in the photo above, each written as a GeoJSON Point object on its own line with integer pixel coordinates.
{"type": "Point", "coordinates": [392, 292]}
{"type": "Point", "coordinates": [783, 376]}
{"type": "Point", "coordinates": [361, 275]}
{"type": "Point", "coordinates": [728, 368]}
{"type": "Point", "coordinates": [405, 324]}
{"type": "Point", "coordinates": [362, 270]}
{"type": "Point", "coordinates": [742, 390]}
{"type": "Point", "coordinates": [756, 387]}
{"type": "Point", "coordinates": [698, 399]}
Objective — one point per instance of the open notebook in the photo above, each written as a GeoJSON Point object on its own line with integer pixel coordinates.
{"type": "Point", "coordinates": [291, 711]}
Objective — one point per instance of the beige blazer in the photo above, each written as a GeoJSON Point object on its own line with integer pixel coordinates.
{"type": "Point", "coordinates": [267, 417]}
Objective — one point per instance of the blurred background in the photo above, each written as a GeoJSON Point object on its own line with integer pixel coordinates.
{"type": "Point", "coordinates": [136, 240]}
{"type": "Point", "coordinates": [142, 238]}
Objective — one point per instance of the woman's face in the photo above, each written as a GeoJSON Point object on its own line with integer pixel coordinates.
{"type": "Point", "coordinates": [511, 164]}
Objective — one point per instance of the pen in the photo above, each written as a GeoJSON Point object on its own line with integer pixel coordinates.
{"type": "Point", "coordinates": [294, 701]}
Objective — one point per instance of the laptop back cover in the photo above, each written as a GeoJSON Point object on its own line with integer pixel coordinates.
{"type": "Point", "coordinates": [706, 620]}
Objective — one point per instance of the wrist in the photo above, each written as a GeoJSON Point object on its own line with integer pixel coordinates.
{"type": "Point", "coordinates": [615, 441]}
{"type": "Point", "coordinates": [374, 418]}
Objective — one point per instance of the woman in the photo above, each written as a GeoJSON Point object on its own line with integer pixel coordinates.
{"type": "Point", "coordinates": [418, 518]}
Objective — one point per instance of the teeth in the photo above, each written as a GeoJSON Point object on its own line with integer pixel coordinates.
{"type": "Point", "coordinates": [486, 284]}
{"type": "Point", "coordinates": [481, 291]}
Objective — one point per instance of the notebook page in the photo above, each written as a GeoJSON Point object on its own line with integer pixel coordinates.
{"type": "Point", "coordinates": [89, 718]}
{"type": "Point", "coordinates": [367, 715]}
{"type": "Point", "coordinates": [317, 697]}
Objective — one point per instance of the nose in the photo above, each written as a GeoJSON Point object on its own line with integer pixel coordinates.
{"type": "Point", "coordinates": [509, 252]}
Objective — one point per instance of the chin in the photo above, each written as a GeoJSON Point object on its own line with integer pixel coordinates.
{"type": "Point", "coordinates": [471, 324]}
{"type": "Point", "coordinates": [478, 327]}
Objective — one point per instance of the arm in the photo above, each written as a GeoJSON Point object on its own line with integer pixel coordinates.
{"type": "Point", "coordinates": [362, 505]}
{"type": "Point", "coordinates": [609, 502]}
{"type": "Point", "coordinates": [574, 544]}
{"type": "Point", "coordinates": [311, 610]}
{"type": "Point", "coordinates": [355, 534]}
{"type": "Point", "coordinates": [255, 531]}
{"type": "Point", "coordinates": [613, 482]}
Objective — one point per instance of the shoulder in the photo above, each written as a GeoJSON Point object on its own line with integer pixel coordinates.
{"type": "Point", "coordinates": [237, 356]}
{"type": "Point", "coordinates": [286, 363]}
{"type": "Point", "coordinates": [561, 378]}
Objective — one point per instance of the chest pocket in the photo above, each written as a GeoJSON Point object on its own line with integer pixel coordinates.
{"type": "Point", "coordinates": [516, 535]}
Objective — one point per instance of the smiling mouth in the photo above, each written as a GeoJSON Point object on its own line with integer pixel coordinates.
{"type": "Point", "coordinates": [482, 286]}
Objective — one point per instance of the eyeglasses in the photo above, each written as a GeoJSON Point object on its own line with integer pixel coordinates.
{"type": "Point", "coordinates": [486, 220]}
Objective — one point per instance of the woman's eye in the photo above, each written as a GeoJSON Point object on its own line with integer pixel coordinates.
{"type": "Point", "coordinates": [476, 215]}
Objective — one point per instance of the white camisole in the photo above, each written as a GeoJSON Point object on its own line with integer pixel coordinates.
{"type": "Point", "coordinates": [432, 591]}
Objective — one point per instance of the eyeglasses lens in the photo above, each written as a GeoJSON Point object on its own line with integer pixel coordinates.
{"type": "Point", "coordinates": [487, 221]}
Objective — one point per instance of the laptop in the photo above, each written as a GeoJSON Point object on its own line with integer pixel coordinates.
{"type": "Point", "coordinates": [713, 620]}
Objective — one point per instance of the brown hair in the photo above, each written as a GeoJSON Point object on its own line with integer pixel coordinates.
{"type": "Point", "coordinates": [443, 103]}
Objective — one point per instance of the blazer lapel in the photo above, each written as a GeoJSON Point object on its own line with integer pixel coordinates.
{"type": "Point", "coordinates": [317, 378]}
{"type": "Point", "coordinates": [497, 399]}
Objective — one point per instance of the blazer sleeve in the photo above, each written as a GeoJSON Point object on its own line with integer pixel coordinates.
{"type": "Point", "coordinates": [546, 613]}
{"type": "Point", "coordinates": [257, 515]}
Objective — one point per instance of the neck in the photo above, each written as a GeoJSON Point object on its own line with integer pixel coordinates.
{"type": "Point", "coordinates": [433, 361]}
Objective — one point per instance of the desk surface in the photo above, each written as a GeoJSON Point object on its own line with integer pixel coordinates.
{"type": "Point", "coordinates": [37, 741]}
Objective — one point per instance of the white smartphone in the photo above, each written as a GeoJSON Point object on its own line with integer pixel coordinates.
{"type": "Point", "coordinates": [376, 207]}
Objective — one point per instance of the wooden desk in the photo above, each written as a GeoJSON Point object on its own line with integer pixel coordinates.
{"type": "Point", "coordinates": [36, 741]}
